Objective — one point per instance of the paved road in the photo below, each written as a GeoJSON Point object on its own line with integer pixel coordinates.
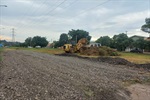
{"type": "Point", "coordinates": [26, 75]}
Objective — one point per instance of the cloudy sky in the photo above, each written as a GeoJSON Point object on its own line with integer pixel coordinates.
{"type": "Point", "coordinates": [50, 18]}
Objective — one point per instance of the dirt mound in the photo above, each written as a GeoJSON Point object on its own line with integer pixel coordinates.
{"type": "Point", "coordinates": [98, 51]}
{"type": "Point", "coordinates": [92, 51]}
{"type": "Point", "coordinates": [116, 61]}
{"type": "Point", "coordinates": [145, 66]}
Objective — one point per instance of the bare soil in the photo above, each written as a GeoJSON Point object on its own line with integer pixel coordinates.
{"type": "Point", "coordinates": [139, 92]}
{"type": "Point", "coordinates": [26, 75]}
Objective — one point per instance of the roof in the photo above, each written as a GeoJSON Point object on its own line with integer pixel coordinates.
{"type": "Point", "coordinates": [136, 37]}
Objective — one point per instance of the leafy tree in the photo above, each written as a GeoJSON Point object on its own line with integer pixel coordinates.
{"type": "Point", "coordinates": [120, 41]}
{"type": "Point", "coordinates": [39, 41]}
{"type": "Point", "coordinates": [56, 44]}
{"type": "Point", "coordinates": [140, 43]}
{"type": "Point", "coordinates": [146, 27]}
{"type": "Point", "coordinates": [104, 40]}
{"type": "Point", "coordinates": [76, 35]}
{"type": "Point", "coordinates": [63, 39]}
{"type": "Point", "coordinates": [28, 41]}
{"type": "Point", "coordinates": [147, 46]}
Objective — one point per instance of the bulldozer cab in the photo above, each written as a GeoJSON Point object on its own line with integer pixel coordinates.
{"type": "Point", "coordinates": [67, 47]}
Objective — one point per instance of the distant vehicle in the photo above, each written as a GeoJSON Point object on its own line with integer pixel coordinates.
{"type": "Point", "coordinates": [136, 50]}
{"type": "Point", "coordinates": [30, 47]}
{"type": "Point", "coordinates": [37, 46]}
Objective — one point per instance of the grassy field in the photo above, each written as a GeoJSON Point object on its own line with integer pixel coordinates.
{"type": "Point", "coordinates": [43, 50]}
{"type": "Point", "coordinates": [137, 58]}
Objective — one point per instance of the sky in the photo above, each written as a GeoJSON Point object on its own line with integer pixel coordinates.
{"type": "Point", "coordinates": [51, 18]}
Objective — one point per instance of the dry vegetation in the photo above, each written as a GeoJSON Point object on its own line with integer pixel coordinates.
{"type": "Point", "coordinates": [137, 58]}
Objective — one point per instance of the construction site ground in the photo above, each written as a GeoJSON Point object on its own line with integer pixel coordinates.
{"type": "Point", "coordinates": [28, 75]}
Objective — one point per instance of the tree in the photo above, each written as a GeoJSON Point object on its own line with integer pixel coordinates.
{"type": "Point", "coordinates": [121, 41]}
{"type": "Point", "coordinates": [104, 40]}
{"type": "Point", "coordinates": [140, 43]}
{"type": "Point", "coordinates": [147, 46]}
{"type": "Point", "coordinates": [39, 41]}
{"type": "Point", "coordinates": [56, 44]}
{"type": "Point", "coordinates": [76, 35]}
{"type": "Point", "coordinates": [146, 27]}
{"type": "Point", "coordinates": [28, 41]}
{"type": "Point", "coordinates": [63, 39]}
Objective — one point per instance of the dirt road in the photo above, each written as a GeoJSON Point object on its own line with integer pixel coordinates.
{"type": "Point", "coordinates": [26, 75]}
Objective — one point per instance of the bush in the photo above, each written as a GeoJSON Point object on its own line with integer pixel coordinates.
{"type": "Point", "coordinates": [102, 52]}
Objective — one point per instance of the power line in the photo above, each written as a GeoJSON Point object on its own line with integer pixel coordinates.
{"type": "Point", "coordinates": [92, 8]}
{"type": "Point", "coordinates": [26, 12]}
{"type": "Point", "coordinates": [34, 11]}
{"type": "Point", "coordinates": [50, 12]}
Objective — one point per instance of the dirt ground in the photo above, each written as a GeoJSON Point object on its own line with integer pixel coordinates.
{"type": "Point", "coordinates": [26, 75]}
{"type": "Point", "coordinates": [139, 92]}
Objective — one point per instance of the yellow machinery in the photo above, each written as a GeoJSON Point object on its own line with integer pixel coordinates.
{"type": "Point", "coordinates": [69, 48]}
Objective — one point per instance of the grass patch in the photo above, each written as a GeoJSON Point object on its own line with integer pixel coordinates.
{"type": "Point", "coordinates": [1, 50]}
{"type": "Point", "coordinates": [43, 50]}
{"type": "Point", "coordinates": [137, 58]}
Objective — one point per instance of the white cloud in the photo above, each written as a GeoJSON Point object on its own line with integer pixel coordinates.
{"type": "Point", "coordinates": [24, 1]}
{"type": "Point", "coordinates": [108, 19]}
{"type": "Point", "coordinates": [100, 12]}
{"type": "Point", "coordinates": [130, 18]}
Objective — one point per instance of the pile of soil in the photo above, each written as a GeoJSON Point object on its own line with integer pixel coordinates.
{"type": "Point", "coordinates": [98, 51]}
{"type": "Point", "coordinates": [110, 60]}
{"type": "Point", "coordinates": [92, 51]}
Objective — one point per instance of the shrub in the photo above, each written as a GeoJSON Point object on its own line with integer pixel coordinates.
{"type": "Point", "coordinates": [102, 52]}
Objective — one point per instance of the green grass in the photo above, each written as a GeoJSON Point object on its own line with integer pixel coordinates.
{"type": "Point", "coordinates": [43, 50]}
{"type": "Point", "coordinates": [137, 58]}
{"type": "Point", "coordinates": [1, 50]}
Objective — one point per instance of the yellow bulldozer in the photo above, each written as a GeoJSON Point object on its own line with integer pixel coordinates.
{"type": "Point", "coordinates": [69, 48]}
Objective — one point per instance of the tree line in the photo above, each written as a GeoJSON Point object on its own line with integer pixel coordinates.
{"type": "Point", "coordinates": [119, 42]}
{"type": "Point", "coordinates": [35, 41]}
{"type": "Point", "coordinates": [72, 37]}
{"type": "Point", "coordinates": [122, 41]}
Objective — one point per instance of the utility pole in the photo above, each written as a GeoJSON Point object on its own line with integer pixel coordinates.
{"type": "Point", "coordinates": [0, 15]}
{"type": "Point", "coordinates": [13, 35]}
{"type": "Point", "coordinates": [126, 32]}
{"type": "Point", "coordinates": [76, 39]}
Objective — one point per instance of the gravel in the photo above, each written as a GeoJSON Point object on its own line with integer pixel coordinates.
{"type": "Point", "coordinates": [26, 75]}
